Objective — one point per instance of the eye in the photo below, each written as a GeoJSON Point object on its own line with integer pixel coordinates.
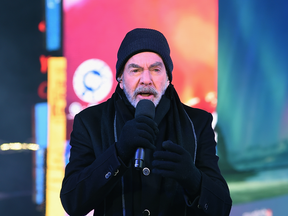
{"type": "Point", "coordinates": [156, 69]}
{"type": "Point", "coordinates": [135, 70]}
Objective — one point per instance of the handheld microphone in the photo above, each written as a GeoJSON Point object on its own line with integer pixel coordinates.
{"type": "Point", "coordinates": [147, 108]}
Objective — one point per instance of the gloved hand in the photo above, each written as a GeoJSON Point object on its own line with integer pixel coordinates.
{"type": "Point", "coordinates": [138, 132]}
{"type": "Point", "coordinates": [177, 163]}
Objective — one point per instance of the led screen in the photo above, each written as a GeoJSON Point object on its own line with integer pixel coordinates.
{"type": "Point", "coordinates": [253, 104]}
{"type": "Point", "coordinates": [93, 31]}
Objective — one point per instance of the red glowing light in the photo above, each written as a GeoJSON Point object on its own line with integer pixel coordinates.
{"type": "Point", "coordinates": [42, 90]}
{"type": "Point", "coordinates": [42, 26]}
{"type": "Point", "coordinates": [43, 63]}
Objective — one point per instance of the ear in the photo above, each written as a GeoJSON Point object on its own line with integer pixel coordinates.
{"type": "Point", "coordinates": [167, 82]}
{"type": "Point", "coordinates": [119, 79]}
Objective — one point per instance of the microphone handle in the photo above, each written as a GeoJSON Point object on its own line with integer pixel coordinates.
{"type": "Point", "coordinates": [139, 158]}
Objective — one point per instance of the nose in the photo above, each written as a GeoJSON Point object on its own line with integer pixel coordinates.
{"type": "Point", "coordinates": [146, 78]}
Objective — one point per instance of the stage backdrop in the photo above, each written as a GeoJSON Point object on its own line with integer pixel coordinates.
{"type": "Point", "coordinates": [93, 31]}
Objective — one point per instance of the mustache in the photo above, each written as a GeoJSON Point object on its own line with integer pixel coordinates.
{"type": "Point", "coordinates": [145, 90]}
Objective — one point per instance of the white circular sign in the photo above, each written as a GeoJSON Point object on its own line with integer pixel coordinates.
{"type": "Point", "coordinates": [92, 80]}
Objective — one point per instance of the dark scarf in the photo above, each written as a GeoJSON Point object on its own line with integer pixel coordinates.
{"type": "Point", "coordinates": [176, 126]}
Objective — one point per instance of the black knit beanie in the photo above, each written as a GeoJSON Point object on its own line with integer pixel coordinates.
{"type": "Point", "coordinates": [143, 40]}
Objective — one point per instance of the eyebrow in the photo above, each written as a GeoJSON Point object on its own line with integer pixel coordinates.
{"type": "Point", "coordinates": [132, 65]}
{"type": "Point", "coordinates": [156, 64]}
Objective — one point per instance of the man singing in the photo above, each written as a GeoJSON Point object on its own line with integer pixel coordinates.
{"type": "Point", "coordinates": [180, 173]}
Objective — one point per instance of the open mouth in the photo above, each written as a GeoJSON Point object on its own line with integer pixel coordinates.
{"type": "Point", "coordinates": [145, 94]}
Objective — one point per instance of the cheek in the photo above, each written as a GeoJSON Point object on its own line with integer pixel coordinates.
{"type": "Point", "coordinates": [131, 84]}
{"type": "Point", "coordinates": [164, 84]}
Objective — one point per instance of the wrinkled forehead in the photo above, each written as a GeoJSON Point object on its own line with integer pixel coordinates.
{"type": "Point", "coordinates": [144, 60]}
{"type": "Point", "coordinates": [148, 58]}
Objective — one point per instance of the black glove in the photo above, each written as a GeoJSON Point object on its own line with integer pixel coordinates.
{"type": "Point", "coordinates": [176, 163]}
{"type": "Point", "coordinates": [138, 132]}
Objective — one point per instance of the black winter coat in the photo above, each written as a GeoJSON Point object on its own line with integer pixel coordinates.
{"type": "Point", "coordinates": [95, 178]}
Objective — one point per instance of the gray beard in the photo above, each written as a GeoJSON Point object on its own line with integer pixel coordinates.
{"type": "Point", "coordinates": [133, 101]}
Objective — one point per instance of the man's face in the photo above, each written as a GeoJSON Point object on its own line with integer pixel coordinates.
{"type": "Point", "coordinates": [144, 77]}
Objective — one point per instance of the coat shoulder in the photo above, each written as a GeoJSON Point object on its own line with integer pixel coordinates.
{"type": "Point", "coordinates": [196, 113]}
{"type": "Point", "coordinates": [93, 111]}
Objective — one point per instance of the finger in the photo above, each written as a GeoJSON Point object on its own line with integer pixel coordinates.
{"type": "Point", "coordinates": [173, 147]}
{"type": "Point", "coordinates": [164, 165]}
{"type": "Point", "coordinates": [144, 129]}
{"type": "Point", "coordinates": [167, 156]}
{"type": "Point", "coordinates": [144, 143]}
{"type": "Point", "coordinates": [148, 121]}
{"type": "Point", "coordinates": [147, 135]}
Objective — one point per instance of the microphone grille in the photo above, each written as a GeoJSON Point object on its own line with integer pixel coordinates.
{"type": "Point", "coordinates": [145, 107]}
